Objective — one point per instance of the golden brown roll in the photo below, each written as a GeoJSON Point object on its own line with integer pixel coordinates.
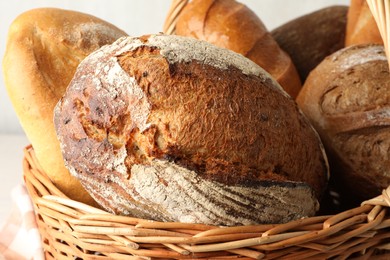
{"type": "Point", "coordinates": [361, 25]}
{"type": "Point", "coordinates": [44, 47]}
{"type": "Point", "coordinates": [232, 25]}
{"type": "Point", "coordinates": [175, 129]}
{"type": "Point", "coordinates": [347, 99]}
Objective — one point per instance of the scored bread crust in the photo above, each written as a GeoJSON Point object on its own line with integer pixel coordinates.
{"type": "Point", "coordinates": [232, 25]}
{"type": "Point", "coordinates": [152, 126]}
{"type": "Point", "coordinates": [346, 97]}
{"type": "Point", "coordinates": [44, 47]}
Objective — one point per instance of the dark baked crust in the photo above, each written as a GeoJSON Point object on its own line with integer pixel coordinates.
{"type": "Point", "coordinates": [347, 100]}
{"type": "Point", "coordinates": [235, 128]}
{"type": "Point", "coordinates": [310, 38]}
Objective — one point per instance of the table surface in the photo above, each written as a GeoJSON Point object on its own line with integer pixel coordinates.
{"type": "Point", "coordinates": [11, 173]}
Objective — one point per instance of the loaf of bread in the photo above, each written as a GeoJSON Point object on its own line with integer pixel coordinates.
{"type": "Point", "coordinates": [361, 25]}
{"type": "Point", "coordinates": [232, 25]}
{"type": "Point", "coordinates": [172, 128]}
{"type": "Point", "coordinates": [346, 98]}
{"type": "Point", "coordinates": [43, 49]}
{"type": "Point", "coordinates": [310, 38]}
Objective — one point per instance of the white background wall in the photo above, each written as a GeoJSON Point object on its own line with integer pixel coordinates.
{"type": "Point", "coordinates": [136, 17]}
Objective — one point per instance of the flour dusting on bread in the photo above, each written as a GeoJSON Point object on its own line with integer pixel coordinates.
{"type": "Point", "coordinates": [180, 49]}
{"type": "Point", "coordinates": [359, 56]}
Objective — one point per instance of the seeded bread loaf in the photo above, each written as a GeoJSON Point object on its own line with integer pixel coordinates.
{"type": "Point", "coordinates": [347, 99]}
{"type": "Point", "coordinates": [175, 129]}
{"type": "Point", "coordinates": [232, 25]}
{"type": "Point", "coordinates": [44, 47]}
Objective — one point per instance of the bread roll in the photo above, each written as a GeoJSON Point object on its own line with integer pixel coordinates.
{"type": "Point", "coordinates": [231, 25]}
{"type": "Point", "coordinates": [175, 129]}
{"type": "Point", "coordinates": [347, 99]}
{"type": "Point", "coordinates": [310, 38]}
{"type": "Point", "coordinates": [44, 47]}
{"type": "Point", "coordinates": [361, 25]}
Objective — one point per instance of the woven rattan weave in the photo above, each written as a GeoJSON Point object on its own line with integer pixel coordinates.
{"type": "Point", "coordinates": [72, 230]}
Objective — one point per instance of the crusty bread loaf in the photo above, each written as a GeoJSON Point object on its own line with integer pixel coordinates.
{"type": "Point", "coordinates": [44, 47]}
{"type": "Point", "coordinates": [232, 25]}
{"type": "Point", "coordinates": [310, 38]}
{"type": "Point", "coordinates": [361, 25]}
{"type": "Point", "coordinates": [175, 129]}
{"type": "Point", "coordinates": [347, 98]}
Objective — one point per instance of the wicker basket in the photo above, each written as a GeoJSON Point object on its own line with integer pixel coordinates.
{"type": "Point", "coordinates": [73, 230]}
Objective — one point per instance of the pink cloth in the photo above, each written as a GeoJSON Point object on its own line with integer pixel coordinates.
{"type": "Point", "coordinates": [19, 236]}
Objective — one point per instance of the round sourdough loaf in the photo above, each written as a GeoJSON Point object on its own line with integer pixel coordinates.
{"type": "Point", "coordinates": [175, 129]}
{"type": "Point", "coordinates": [347, 99]}
{"type": "Point", "coordinates": [232, 25]}
{"type": "Point", "coordinates": [44, 47]}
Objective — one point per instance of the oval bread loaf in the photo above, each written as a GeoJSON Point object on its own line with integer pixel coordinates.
{"type": "Point", "coordinates": [44, 47]}
{"type": "Point", "coordinates": [175, 129]}
{"type": "Point", "coordinates": [232, 25]}
{"type": "Point", "coordinates": [347, 98]}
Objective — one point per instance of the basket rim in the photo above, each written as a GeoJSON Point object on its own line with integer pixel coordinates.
{"type": "Point", "coordinates": [86, 229]}
{"type": "Point", "coordinates": [175, 9]}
